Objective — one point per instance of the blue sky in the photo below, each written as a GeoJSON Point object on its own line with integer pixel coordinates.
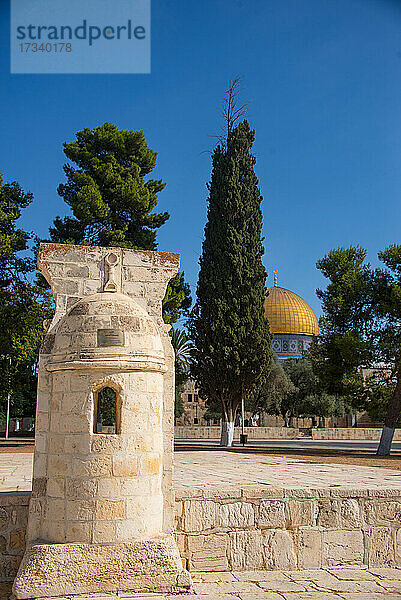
{"type": "Point", "coordinates": [322, 78]}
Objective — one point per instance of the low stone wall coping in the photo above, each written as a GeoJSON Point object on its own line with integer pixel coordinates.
{"type": "Point", "coordinates": [183, 432]}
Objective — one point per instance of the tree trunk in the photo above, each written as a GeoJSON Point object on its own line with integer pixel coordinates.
{"type": "Point", "coordinates": [227, 424]}
{"type": "Point", "coordinates": [227, 433]}
{"type": "Point", "coordinates": [393, 414]}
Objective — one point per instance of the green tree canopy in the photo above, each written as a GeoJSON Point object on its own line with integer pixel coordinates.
{"type": "Point", "coordinates": [305, 383]}
{"type": "Point", "coordinates": [343, 345]}
{"type": "Point", "coordinates": [112, 200]}
{"type": "Point", "coordinates": [361, 327]}
{"type": "Point", "coordinates": [14, 264]}
{"type": "Point", "coordinates": [177, 300]}
{"type": "Point", "coordinates": [107, 192]}
{"type": "Point", "coordinates": [23, 306]}
{"type": "Point", "coordinates": [270, 397]}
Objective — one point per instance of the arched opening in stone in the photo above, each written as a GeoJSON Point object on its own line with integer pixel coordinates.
{"type": "Point", "coordinates": [106, 413]}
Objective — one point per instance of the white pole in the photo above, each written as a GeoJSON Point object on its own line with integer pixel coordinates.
{"type": "Point", "coordinates": [8, 401]}
{"type": "Point", "coordinates": [8, 415]}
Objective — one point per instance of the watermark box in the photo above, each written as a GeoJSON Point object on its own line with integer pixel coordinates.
{"type": "Point", "coordinates": [80, 36]}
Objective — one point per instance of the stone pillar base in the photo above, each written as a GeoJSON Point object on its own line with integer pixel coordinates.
{"type": "Point", "coordinates": [66, 569]}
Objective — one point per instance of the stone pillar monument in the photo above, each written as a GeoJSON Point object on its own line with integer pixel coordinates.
{"type": "Point", "coordinates": [101, 513]}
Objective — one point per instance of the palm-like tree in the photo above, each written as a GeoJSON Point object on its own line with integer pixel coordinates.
{"type": "Point", "coordinates": [182, 347]}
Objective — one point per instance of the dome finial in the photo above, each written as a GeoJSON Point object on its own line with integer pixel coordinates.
{"type": "Point", "coordinates": [275, 277]}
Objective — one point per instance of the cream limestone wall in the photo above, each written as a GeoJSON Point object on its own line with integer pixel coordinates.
{"type": "Point", "coordinates": [259, 528]}
{"type": "Point", "coordinates": [99, 487]}
{"type": "Point", "coordinates": [265, 528]}
{"type": "Point", "coordinates": [63, 425]}
{"type": "Point", "coordinates": [271, 433]}
{"type": "Point", "coordinates": [90, 489]}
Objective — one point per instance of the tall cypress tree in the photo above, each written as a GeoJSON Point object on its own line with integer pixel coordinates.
{"type": "Point", "coordinates": [228, 326]}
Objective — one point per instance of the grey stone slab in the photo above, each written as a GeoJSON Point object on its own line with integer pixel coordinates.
{"type": "Point", "coordinates": [312, 596]}
{"type": "Point", "coordinates": [373, 596]}
{"type": "Point", "coordinates": [353, 574]}
{"type": "Point", "coordinates": [391, 585]}
{"type": "Point", "coordinates": [234, 587]}
{"type": "Point", "coordinates": [286, 586]}
{"type": "Point", "coordinates": [261, 595]}
{"type": "Point", "coordinates": [257, 576]}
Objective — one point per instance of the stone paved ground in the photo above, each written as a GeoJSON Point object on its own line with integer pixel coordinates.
{"type": "Point", "coordinates": [330, 584]}
{"type": "Point", "coordinates": [225, 469]}
{"type": "Point", "coordinates": [16, 472]}
{"type": "Point", "coordinates": [222, 469]}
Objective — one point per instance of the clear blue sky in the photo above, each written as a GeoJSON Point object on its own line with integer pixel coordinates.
{"type": "Point", "coordinates": [323, 81]}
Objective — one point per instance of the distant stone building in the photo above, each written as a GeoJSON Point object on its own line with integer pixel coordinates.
{"type": "Point", "coordinates": [194, 407]}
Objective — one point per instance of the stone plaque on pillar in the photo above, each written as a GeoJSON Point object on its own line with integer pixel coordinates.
{"type": "Point", "coordinates": [110, 337]}
{"type": "Point", "coordinates": [101, 512]}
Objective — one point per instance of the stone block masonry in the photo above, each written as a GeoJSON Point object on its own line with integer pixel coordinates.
{"type": "Point", "coordinates": [258, 528]}
{"type": "Point", "coordinates": [284, 529]}
{"type": "Point", "coordinates": [102, 488]}
{"type": "Point", "coordinates": [13, 523]}
{"type": "Point", "coordinates": [197, 432]}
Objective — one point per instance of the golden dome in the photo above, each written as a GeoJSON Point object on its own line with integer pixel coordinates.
{"type": "Point", "coordinates": [289, 313]}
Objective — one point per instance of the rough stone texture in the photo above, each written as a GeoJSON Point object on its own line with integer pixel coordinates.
{"type": "Point", "coordinates": [219, 545]}
{"type": "Point", "coordinates": [13, 522]}
{"type": "Point", "coordinates": [279, 550]}
{"type": "Point", "coordinates": [199, 515]}
{"type": "Point", "coordinates": [220, 493]}
{"type": "Point", "coordinates": [352, 433]}
{"type": "Point", "coordinates": [102, 488]}
{"type": "Point", "coordinates": [309, 549]}
{"type": "Point", "coordinates": [341, 548]}
{"type": "Point", "coordinates": [187, 432]}
{"type": "Point", "coordinates": [301, 512]}
{"type": "Point", "coordinates": [246, 550]}
{"type": "Point", "coordinates": [236, 515]}
{"type": "Point", "coordinates": [271, 513]}
{"type": "Point", "coordinates": [381, 546]}
{"type": "Point", "coordinates": [62, 569]}
{"type": "Point", "coordinates": [350, 514]}
{"type": "Point", "coordinates": [327, 514]}
{"type": "Point", "coordinates": [207, 552]}
{"type": "Point", "coordinates": [291, 529]}
{"type": "Point", "coordinates": [319, 584]}
{"type": "Point", "coordinates": [78, 271]}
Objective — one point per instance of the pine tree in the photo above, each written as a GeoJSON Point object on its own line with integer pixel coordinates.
{"type": "Point", "coordinates": [230, 332]}
{"type": "Point", "coordinates": [112, 200]}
